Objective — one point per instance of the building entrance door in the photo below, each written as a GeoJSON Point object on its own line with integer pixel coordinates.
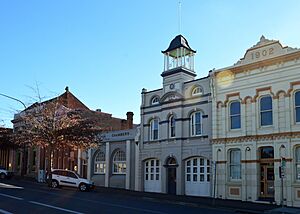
{"type": "Point", "coordinates": [267, 180]}
{"type": "Point", "coordinates": [172, 180]}
{"type": "Point", "coordinates": [171, 165]}
{"type": "Point", "coordinates": [267, 177]}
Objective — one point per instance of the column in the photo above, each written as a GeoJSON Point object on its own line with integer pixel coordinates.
{"type": "Point", "coordinates": [107, 164]}
{"type": "Point", "coordinates": [89, 167]}
{"type": "Point", "coordinates": [79, 162]}
{"type": "Point", "coordinates": [128, 167]}
{"type": "Point", "coordinates": [136, 171]}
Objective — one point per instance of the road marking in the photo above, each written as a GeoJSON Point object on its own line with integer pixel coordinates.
{"type": "Point", "coordinates": [4, 212]}
{"type": "Point", "coordinates": [103, 203]}
{"type": "Point", "coordinates": [58, 208]}
{"type": "Point", "coordinates": [10, 196]}
{"type": "Point", "coordinates": [8, 186]}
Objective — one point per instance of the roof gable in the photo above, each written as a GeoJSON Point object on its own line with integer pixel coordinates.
{"type": "Point", "coordinates": [264, 49]}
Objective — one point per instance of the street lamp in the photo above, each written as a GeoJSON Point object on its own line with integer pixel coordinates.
{"type": "Point", "coordinates": [12, 98]}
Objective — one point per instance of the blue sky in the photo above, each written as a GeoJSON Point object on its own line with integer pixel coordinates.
{"type": "Point", "coordinates": [107, 51]}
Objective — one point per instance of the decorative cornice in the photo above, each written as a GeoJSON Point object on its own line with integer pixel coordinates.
{"type": "Point", "coordinates": [240, 139]}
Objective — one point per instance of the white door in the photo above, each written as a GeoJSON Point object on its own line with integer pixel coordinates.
{"type": "Point", "coordinates": [152, 176]}
{"type": "Point", "coordinates": [197, 176]}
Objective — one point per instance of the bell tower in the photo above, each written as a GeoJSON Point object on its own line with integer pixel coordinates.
{"type": "Point", "coordinates": [178, 64]}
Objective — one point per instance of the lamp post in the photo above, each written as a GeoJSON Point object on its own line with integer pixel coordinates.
{"type": "Point", "coordinates": [23, 158]}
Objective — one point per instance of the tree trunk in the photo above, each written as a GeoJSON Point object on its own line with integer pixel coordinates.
{"type": "Point", "coordinates": [49, 165]}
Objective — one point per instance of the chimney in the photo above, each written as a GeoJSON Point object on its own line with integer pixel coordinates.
{"type": "Point", "coordinates": [129, 119]}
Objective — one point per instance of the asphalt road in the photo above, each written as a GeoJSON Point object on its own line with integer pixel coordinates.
{"type": "Point", "coordinates": [18, 196]}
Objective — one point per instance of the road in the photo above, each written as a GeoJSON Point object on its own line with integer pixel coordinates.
{"type": "Point", "coordinates": [18, 196]}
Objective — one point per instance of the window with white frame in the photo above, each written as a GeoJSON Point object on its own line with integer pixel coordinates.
{"type": "Point", "coordinates": [235, 115]}
{"type": "Point", "coordinates": [155, 100]}
{"type": "Point", "coordinates": [154, 129]}
{"type": "Point", "coordinates": [297, 106]}
{"type": "Point", "coordinates": [152, 170]}
{"type": "Point", "coordinates": [100, 166]}
{"type": "Point", "coordinates": [196, 123]}
{"type": "Point", "coordinates": [197, 91]}
{"type": "Point", "coordinates": [119, 162]}
{"type": "Point", "coordinates": [235, 164]}
{"type": "Point", "coordinates": [266, 111]}
{"type": "Point", "coordinates": [197, 170]}
{"type": "Point", "coordinates": [297, 162]}
{"type": "Point", "coordinates": [172, 126]}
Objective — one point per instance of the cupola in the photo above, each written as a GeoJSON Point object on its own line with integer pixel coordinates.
{"type": "Point", "coordinates": [179, 56]}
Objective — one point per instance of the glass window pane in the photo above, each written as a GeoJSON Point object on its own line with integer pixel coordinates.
{"type": "Point", "coordinates": [235, 108]}
{"type": "Point", "coordinates": [188, 170]}
{"type": "Point", "coordinates": [146, 176]}
{"type": "Point", "coordinates": [188, 163]}
{"type": "Point", "coordinates": [266, 118]}
{"type": "Point", "coordinates": [201, 162]}
{"type": "Point", "coordinates": [188, 177]}
{"type": "Point", "coordinates": [265, 103]}
{"type": "Point", "coordinates": [208, 177]}
{"type": "Point", "coordinates": [201, 169]}
{"type": "Point", "coordinates": [195, 170]}
{"type": "Point", "coordinates": [195, 177]}
{"type": "Point", "coordinates": [298, 154]}
{"type": "Point", "coordinates": [198, 129]}
{"type": "Point", "coordinates": [266, 152]}
{"type": "Point", "coordinates": [297, 98]}
{"type": "Point", "coordinates": [235, 122]}
{"type": "Point", "coordinates": [195, 161]}
{"type": "Point", "coordinates": [157, 162]}
{"type": "Point", "coordinates": [201, 177]}
{"type": "Point", "coordinates": [157, 177]}
{"type": "Point", "coordinates": [298, 114]}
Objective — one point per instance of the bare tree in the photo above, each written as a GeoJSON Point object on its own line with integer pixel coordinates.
{"type": "Point", "coordinates": [52, 125]}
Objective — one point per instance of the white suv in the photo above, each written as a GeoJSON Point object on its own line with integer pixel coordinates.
{"type": "Point", "coordinates": [69, 178]}
{"type": "Point", "coordinates": [4, 173]}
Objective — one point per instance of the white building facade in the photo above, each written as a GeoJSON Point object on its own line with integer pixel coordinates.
{"type": "Point", "coordinates": [113, 162]}
{"type": "Point", "coordinates": [175, 151]}
{"type": "Point", "coordinates": [256, 126]}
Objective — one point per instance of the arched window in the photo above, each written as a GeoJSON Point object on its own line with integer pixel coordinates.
{"type": "Point", "coordinates": [154, 129]}
{"type": "Point", "coordinates": [119, 162]}
{"type": "Point", "coordinates": [155, 100]}
{"type": "Point", "coordinates": [297, 106]}
{"type": "Point", "coordinates": [197, 91]}
{"type": "Point", "coordinates": [235, 115]}
{"type": "Point", "coordinates": [100, 166]}
{"type": "Point", "coordinates": [235, 164]}
{"type": "Point", "coordinates": [297, 162]}
{"type": "Point", "coordinates": [196, 123]}
{"type": "Point", "coordinates": [172, 126]}
{"type": "Point", "coordinates": [266, 111]}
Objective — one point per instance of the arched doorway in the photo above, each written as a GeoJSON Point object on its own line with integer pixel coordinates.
{"type": "Point", "coordinates": [171, 165]}
{"type": "Point", "coordinates": [266, 159]}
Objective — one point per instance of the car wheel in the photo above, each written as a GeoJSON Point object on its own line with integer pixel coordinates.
{"type": "Point", "coordinates": [83, 187]}
{"type": "Point", "coordinates": [54, 184]}
{"type": "Point", "coordinates": [2, 175]}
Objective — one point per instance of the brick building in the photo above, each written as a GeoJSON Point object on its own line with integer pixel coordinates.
{"type": "Point", "coordinates": [35, 158]}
